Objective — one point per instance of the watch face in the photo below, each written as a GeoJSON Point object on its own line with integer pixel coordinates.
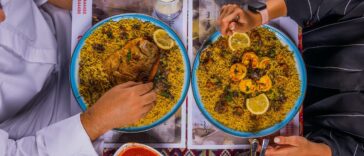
{"type": "Point", "coordinates": [256, 6]}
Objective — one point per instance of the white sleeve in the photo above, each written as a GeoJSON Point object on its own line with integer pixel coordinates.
{"type": "Point", "coordinates": [67, 137]}
{"type": "Point", "coordinates": [40, 2]}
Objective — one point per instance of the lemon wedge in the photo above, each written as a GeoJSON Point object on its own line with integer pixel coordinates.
{"type": "Point", "coordinates": [162, 39]}
{"type": "Point", "coordinates": [258, 105]}
{"type": "Point", "coordinates": [239, 41]}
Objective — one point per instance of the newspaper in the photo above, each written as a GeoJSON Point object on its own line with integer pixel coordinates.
{"type": "Point", "coordinates": [188, 127]}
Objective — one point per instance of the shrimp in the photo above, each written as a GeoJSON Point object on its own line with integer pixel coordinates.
{"type": "Point", "coordinates": [238, 72]}
{"type": "Point", "coordinates": [250, 58]}
{"type": "Point", "coordinates": [264, 83]}
{"type": "Point", "coordinates": [247, 86]}
{"type": "Point", "coordinates": [264, 63]}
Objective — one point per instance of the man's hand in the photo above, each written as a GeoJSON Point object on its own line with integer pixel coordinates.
{"type": "Point", "coordinates": [121, 106]}
{"type": "Point", "coordinates": [232, 18]}
{"type": "Point", "coordinates": [297, 146]}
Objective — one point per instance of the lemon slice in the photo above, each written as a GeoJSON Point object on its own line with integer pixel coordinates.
{"type": "Point", "coordinates": [239, 41]}
{"type": "Point", "coordinates": [258, 105]}
{"type": "Point", "coordinates": [162, 39]}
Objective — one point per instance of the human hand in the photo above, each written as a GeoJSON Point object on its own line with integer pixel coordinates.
{"type": "Point", "coordinates": [121, 106]}
{"type": "Point", "coordinates": [297, 146]}
{"type": "Point", "coordinates": [233, 18]}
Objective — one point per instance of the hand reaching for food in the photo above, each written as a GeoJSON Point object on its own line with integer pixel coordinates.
{"type": "Point", "coordinates": [233, 18]}
{"type": "Point", "coordinates": [298, 146]}
{"type": "Point", "coordinates": [121, 106]}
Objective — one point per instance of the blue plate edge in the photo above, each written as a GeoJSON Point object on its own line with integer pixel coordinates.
{"type": "Point", "coordinates": [266, 131]}
{"type": "Point", "coordinates": [74, 61]}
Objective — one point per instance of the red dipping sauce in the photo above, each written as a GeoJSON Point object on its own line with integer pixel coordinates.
{"type": "Point", "coordinates": [137, 151]}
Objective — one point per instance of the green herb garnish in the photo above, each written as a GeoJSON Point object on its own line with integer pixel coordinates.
{"type": "Point", "coordinates": [128, 56]}
{"type": "Point", "coordinates": [165, 94]}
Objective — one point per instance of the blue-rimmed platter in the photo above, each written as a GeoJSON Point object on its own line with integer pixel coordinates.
{"type": "Point", "coordinates": [74, 67]}
{"type": "Point", "coordinates": [300, 66]}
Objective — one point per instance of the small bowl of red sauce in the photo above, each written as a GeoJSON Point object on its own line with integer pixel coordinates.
{"type": "Point", "coordinates": [135, 149]}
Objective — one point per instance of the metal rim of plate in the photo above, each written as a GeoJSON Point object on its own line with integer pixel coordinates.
{"type": "Point", "coordinates": [75, 60]}
{"type": "Point", "coordinates": [270, 130]}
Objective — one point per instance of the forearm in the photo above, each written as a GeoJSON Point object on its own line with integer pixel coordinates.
{"type": "Point", "coordinates": [276, 8]}
{"type": "Point", "coordinates": [64, 4]}
{"type": "Point", "coordinates": [320, 149]}
{"type": "Point", "coordinates": [94, 127]}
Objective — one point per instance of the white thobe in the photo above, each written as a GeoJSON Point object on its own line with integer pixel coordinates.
{"type": "Point", "coordinates": [35, 110]}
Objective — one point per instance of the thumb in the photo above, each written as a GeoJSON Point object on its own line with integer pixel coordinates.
{"type": "Point", "coordinates": [232, 26]}
{"type": "Point", "coordinates": [290, 140]}
{"type": "Point", "coordinates": [239, 25]}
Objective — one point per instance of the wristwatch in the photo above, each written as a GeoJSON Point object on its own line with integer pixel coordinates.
{"type": "Point", "coordinates": [261, 8]}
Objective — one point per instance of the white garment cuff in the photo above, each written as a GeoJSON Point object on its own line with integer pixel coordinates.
{"type": "Point", "coordinates": [67, 137]}
{"type": "Point", "coordinates": [4, 136]}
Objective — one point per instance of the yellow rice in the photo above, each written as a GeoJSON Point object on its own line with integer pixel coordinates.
{"type": "Point", "coordinates": [94, 82]}
{"type": "Point", "coordinates": [267, 44]}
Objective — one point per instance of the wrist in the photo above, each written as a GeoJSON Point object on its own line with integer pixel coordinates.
{"type": "Point", "coordinates": [256, 19]}
{"type": "Point", "coordinates": [93, 128]}
{"type": "Point", "coordinates": [276, 8]}
{"type": "Point", "coordinates": [321, 149]}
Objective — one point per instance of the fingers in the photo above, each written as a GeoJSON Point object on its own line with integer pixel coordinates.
{"type": "Point", "coordinates": [147, 108]}
{"type": "Point", "coordinates": [222, 9]}
{"type": "Point", "coordinates": [271, 152]}
{"type": "Point", "coordinates": [226, 9]}
{"type": "Point", "coordinates": [286, 151]}
{"type": "Point", "coordinates": [225, 22]}
{"type": "Point", "coordinates": [230, 9]}
{"type": "Point", "coordinates": [149, 98]}
{"type": "Point", "coordinates": [221, 16]}
{"type": "Point", "coordinates": [232, 17]}
{"type": "Point", "coordinates": [128, 84]}
{"type": "Point", "coordinates": [143, 88]}
{"type": "Point", "coordinates": [290, 140]}
{"type": "Point", "coordinates": [232, 28]}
